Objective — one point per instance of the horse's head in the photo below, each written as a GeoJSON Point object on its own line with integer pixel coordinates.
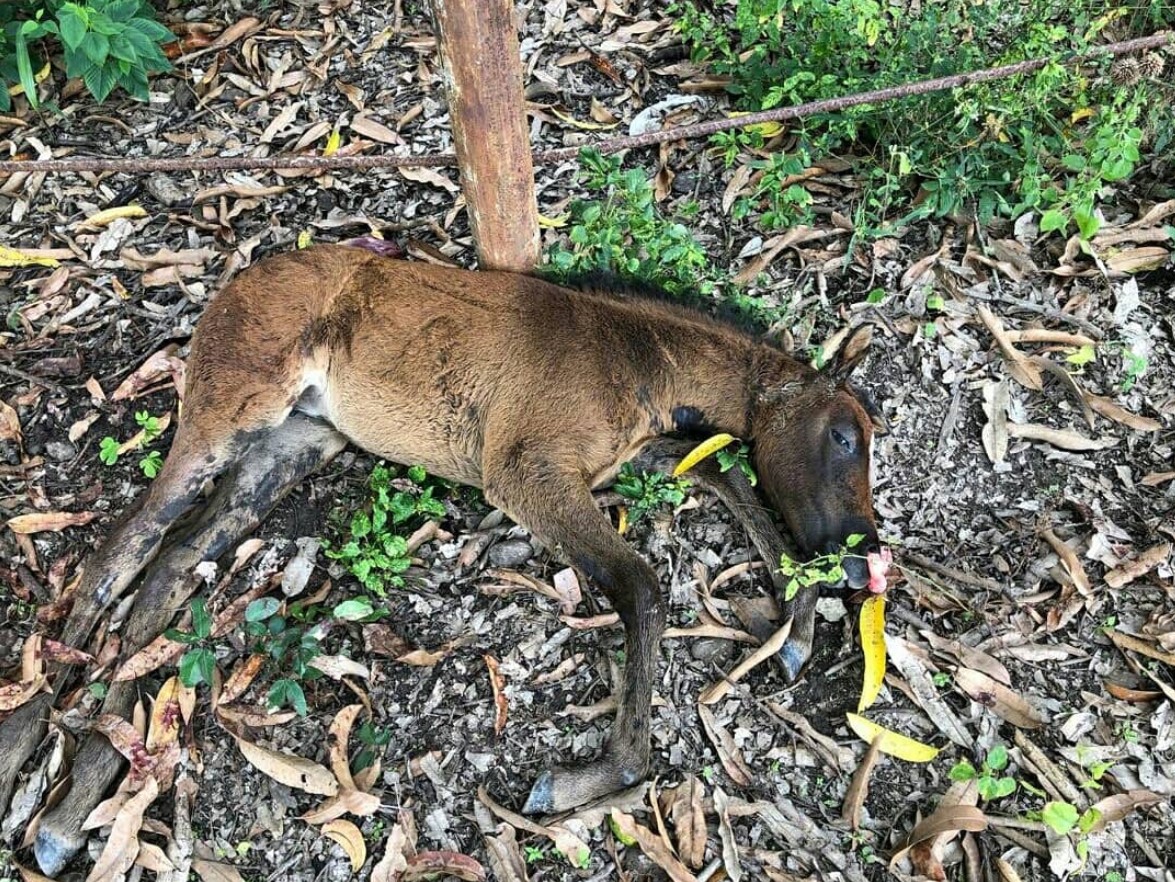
{"type": "Point", "coordinates": [813, 441]}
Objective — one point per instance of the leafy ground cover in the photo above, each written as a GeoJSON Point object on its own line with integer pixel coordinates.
{"type": "Point", "coordinates": [1026, 484]}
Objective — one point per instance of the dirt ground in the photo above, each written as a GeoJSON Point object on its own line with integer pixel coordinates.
{"type": "Point", "coordinates": [1078, 636]}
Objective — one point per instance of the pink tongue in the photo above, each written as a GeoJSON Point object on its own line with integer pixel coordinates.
{"type": "Point", "coordinates": [878, 562]}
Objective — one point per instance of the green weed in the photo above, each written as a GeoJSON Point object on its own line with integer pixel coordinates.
{"type": "Point", "coordinates": [649, 490]}
{"type": "Point", "coordinates": [990, 783]}
{"type": "Point", "coordinates": [1048, 141]}
{"type": "Point", "coordinates": [108, 44]}
{"type": "Point", "coordinates": [826, 569]}
{"type": "Point", "coordinates": [375, 549]}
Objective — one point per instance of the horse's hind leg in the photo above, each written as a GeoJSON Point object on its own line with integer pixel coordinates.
{"type": "Point", "coordinates": [274, 464]}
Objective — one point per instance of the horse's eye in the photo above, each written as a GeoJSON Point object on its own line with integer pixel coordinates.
{"type": "Point", "coordinates": [844, 442]}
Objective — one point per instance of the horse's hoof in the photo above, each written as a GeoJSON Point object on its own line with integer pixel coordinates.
{"type": "Point", "coordinates": [792, 657]}
{"type": "Point", "coordinates": [561, 789]}
{"type": "Point", "coordinates": [56, 848]}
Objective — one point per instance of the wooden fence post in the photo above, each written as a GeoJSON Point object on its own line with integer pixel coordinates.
{"type": "Point", "coordinates": [482, 72]}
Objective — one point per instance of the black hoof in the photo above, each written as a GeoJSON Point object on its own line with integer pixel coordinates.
{"type": "Point", "coordinates": [54, 851]}
{"type": "Point", "coordinates": [542, 796]}
{"type": "Point", "coordinates": [792, 659]}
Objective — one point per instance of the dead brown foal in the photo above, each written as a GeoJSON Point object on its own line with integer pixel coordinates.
{"type": "Point", "coordinates": [533, 392]}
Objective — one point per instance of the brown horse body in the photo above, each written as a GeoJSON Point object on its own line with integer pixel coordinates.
{"type": "Point", "coordinates": [533, 392]}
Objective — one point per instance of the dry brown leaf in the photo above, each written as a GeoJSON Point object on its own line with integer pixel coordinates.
{"type": "Point", "coordinates": [159, 366]}
{"type": "Point", "coordinates": [1062, 438]}
{"type": "Point", "coordinates": [363, 125]}
{"type": "Point", "coordinates": [1021, 368]}
{"type": "Point", "coordinates": [1136, 260]}
{"type": "Point", "coordinates": [859, 786]}
{"type": "Point", "coordinates": [946, 819]}
{"type": "Point", "coordinates": [498, 685]}
{"type": "Point", "coordinates": [340, 736]}
{"type": "Point", "coordinates": [1139, 566]}
{"type": "Point", "coordinates": [689, 822]}
{"type": "Point", "coordinates": [1129, 641]}
{"type": "Point", "coordinates": [1004, 702]}
{"type": "Point", "coordinates": [122, 847]}
{"type": "Point", "coordinates": [429, 176]}
{"type": "Point", "coordinates": [152, 857]}
{"type": "Point", "coordinates": [338, 666]}
{"type": "Point", "coordinates": [164, 727]}
{"type": "Point", "coordinates": [14, 695]}
{"type": "Point", "coordinates": [1112, 411]}
{"type": "Point", "coordinates": [730, 859]}
{"type": "Point", "coordinates": [770, 647]}
{"type": "Point", "coordinates": [9, 424]}
{"type": "Point", "coordinates": [49, 522]}
{"type": "Point", "coordinates": [566, 584]}
{"type": "Point", "coordinates": [214, 871]}
{"type": "Point", "coordinates": [434, 864]}
{"type": "Point", "coordinates": [1070, 562]}
{"type": "Point", "coordinates": [348, 802]}
{"type": "Point", "coordinates": [1115, 808]}
{"type": "Point", "coordinates": [401, 845]}
{"type": "Point", "coordinates": [1007, 871]}
{"type": "Point", "coordinates": [350, 839]}
{"type": "Point", "coordinates": [905, 659]}
{"type": "Point", "coordinates": [728, 753]}
{"type": "Point", "coordinates": [995, 430]}
{"type": "Point", "coordinates": [1134, 696]}
{"type": "Point", "coordinates": [650, 843]}
{"type": "Point", "coordinates": [1154, 479]}
{"type": "Point", "coordinates": [253, 715]}
{"type": "Point", "coordinates": [293, 771]}
{"type": "Point", "coordinates": [241, 678]}
{"type": "Point", "coordinates": [506, 860]}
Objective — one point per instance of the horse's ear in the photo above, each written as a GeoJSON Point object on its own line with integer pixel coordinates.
{"type": "Point", "coordinates": [850, 354]}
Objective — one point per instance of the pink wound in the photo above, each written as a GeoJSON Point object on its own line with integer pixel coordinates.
{"type": "Point", "coordinates": [879, 563]}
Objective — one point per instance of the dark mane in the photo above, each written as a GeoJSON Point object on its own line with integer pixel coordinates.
{"type": "Point", "coordinates": [614, 284]}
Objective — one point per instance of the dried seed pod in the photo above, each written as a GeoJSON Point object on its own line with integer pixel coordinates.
{"type": "Point", "coordinates": [1125, 72]}
{"type": "Point", "coordinates": [1151, 65]}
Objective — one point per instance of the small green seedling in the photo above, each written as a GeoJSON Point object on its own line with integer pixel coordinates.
{"type": "Point", "coordinates": [649, 490]}
{"type": "Point", "coordinates": [149, 424]}
{"type": "Point", "coordinates": [728, 459]}
{"type": "Point", "coordinates": [198, 663]}
{"type": "Point", "coordinates": [151, 463]}
{"type": "Point", "coordinates": [533, 854]}
{"type": "Point", "coordinates": [108, 451]}
{"type": "Point", "coordinates": [990, 783]}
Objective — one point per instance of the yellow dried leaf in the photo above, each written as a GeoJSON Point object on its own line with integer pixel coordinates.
{"type": "Point", "coordinates": [891, 742]}
{"type": "Point", "coordinates": [305, 238]}
{"type": "Point", "coordinates": [1079, 114]}
{"type": "Point", "coordinates": [622, 526]}
{"type": "Point", "coordinates": [108, 215]}
{"type": "Point", "coordinates": [873, 646]}
{"type": "Point", "coordinates": [582, 124]}
{"type": "Point", "coordinates": [349, 837]}
{"type": "Point", "coordinates": [553, 223]}
{"type": "Point", "coordinates": [16, 257]}
{"type": "Point", "coordinates": [332, 143]}
{"type": "Point", "coordinates": [707, 448]}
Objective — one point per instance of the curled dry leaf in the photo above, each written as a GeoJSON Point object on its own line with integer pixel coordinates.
{"type": "Point", "coordinates": [1070, 562]}
{"type": "Point", "coordinates": [241, 678]}
{"type": "Point", "coordinates": [122, 847]}
{"type": "Point", "coordinates": [293, 771]}
{"type": "Point", "coordinates": [498, 685]}
{"type": "Point", "coordinates": [9, 424]}
{"type": "Point", "coordinates": [401, 845]}
{"type": "Point", "coordinates": [650, 843]}
{"type": "Point", "coordinates": [1062, 438]}
{"type": "Point", "coordinates": [1129, 641]}
{"type": "Point", "coordinates": [506, 860]}
{"type": "Point", "coordinates": [730, 859]}
{"type": "Point", "coordinates": [992, 694]}
{"type": "Point", "coordinates": [435, 864]}
{"type": "Point", "coordinates": [859, 786]}
{"type": "Point", "coordinates": [49, 521]}
{"type": "Point", "coordinates": [1020, 366]}
{"type": "Point", "coordinates": [1110, 410]}
{"type": "Point", "coordinates": [689, 821]}
{"type": "Point", "coordinates": [770, 647]}
{"type": "Point", "coordinates": [946, 819]}
{"type": "Point", "coordinates": [348, 802]}
{"type": "Point", "coordinates": [1138, 566]}
{"type": "Point", "coordinates": [214, 871]}
{"type": "Point", "coordinates": [350, 839]}
{"type": "Point", "coordinates": [728, 753]}
{"type": "Point", "coordinates": [1115, 808]}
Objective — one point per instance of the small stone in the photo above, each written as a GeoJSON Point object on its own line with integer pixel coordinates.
{"type": "Point", "coordinates": [711, 650]}
{"type": "Point", "coordinates": [166, 190]}
{"type": "Point", "coordinates": [60, 451]}
{"type": "Point", "coordinates": [511, 553]}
